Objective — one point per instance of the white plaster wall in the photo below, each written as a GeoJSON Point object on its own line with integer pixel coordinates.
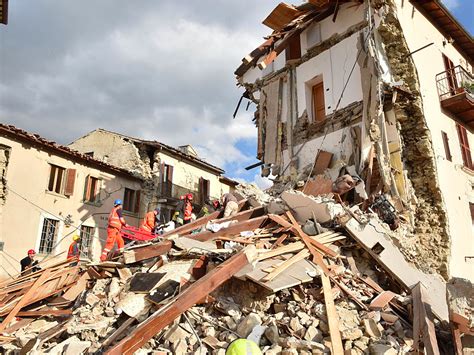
{"type": "Point", "coordinates": [348, 15]}
{"type": "Point", "coordinates": [339, 143]}
{"type": "Point", "coordinates": [456, 184]}
{"type": "Point", "coordinates": [187, 175]}
{"type": "Point", "coordinates": [334, 65]}
{"type": "Point", "coordinates": [28, 175]}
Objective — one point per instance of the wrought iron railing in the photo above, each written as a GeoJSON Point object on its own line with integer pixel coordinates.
{"type": "Point", "coordinates": [454, 81]}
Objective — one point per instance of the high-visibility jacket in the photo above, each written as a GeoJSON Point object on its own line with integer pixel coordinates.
{"type": "Point", "coordinates": [148, 222]}
{"type": "Point", "coordinates": [73, 251]}
{"type": "Point", "coordinates": [188, 210]}
{"type": "Point", "coordinates": [115, 221]}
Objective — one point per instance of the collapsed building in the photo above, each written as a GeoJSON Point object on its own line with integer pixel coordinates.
{"type": "Point", "coordinates": [381, 90]}
{"type": "Point", "coordinates": [167, 172]}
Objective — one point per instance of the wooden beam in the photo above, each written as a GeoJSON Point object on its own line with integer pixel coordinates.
{"type": "Point", "coordinates": [286, 264]}
{"type": "Point", "coordinates": [25, 299]}
{"type": "Point", "coordinates": [185, 300]}
{"type": "Point", "coordinates": [147, 252]}
{"type": "Point", "coordinates": [232, 230]}
{"type": "Point", "coordinates": [423, 325]}
{"type": "Point", "coordinates": [289, 248]}
{"type": "Point", "coordinates": [333, 318]}
{"type": "Point", "coordinates": [46, 312]}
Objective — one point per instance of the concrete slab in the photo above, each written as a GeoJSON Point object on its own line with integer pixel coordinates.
{"type": "Point", "coordinates": [305, 206]}
{"type": "Point", "coordinates": [373, 236]}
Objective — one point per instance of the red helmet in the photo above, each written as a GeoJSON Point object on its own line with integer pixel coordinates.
{"type": "Point", "coordinates": [31, 251]}
{"type": "Point", "coordinates": [189, 197]}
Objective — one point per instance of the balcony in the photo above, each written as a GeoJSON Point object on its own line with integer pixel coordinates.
{"type": "Point", "coordinates": [172, 192]}
{"type": "Point", "coordinates": [456, 93]}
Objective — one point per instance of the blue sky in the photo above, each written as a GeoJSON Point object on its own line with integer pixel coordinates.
{"type": "Point", "coordinates": [463, 11]}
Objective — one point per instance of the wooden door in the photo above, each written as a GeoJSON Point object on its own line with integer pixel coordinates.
{"type": "Point", "coordinates": [450, 74]}
{"type": "Point", "coordinates": [319, 112]}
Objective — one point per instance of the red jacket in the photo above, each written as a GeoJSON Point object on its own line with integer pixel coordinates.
{"type": "Point", "coordinates": [73, 251]}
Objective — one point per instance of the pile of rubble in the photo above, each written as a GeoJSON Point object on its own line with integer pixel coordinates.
{"type": "Point", "coordinates": [308, 277]}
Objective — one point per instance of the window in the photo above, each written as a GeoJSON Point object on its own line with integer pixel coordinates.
{"type": "Point", "coordinates": [313, 35]}
{"type": "Point", "coordinates": [166, 180]}
{"type": "Point", "coordinates": [61, 180]}
{"type": "Point", "coordinates": [464, 143]}
{"type": "Point", "coordinates": [319, 109]}
{"type": "Point", "coordinates": [204, 188]}
{"type": "Point", "coordinates": [48, 236]}
{"type": "Point", "coordinates": [471, 208]}
{"type": "Point", "coordinates": [86, 240]}
{"type": "Point", "coordinates": [293, 51]}
{"type": "Point", "coordinates": [91, 193]}
{"type": "Point", "coordinates": [131, 200]}
{"type": "Point", "coordinates": [447, 151]}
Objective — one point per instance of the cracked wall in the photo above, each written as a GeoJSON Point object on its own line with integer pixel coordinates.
{"type": "Point", "coordinates": [430, 247]}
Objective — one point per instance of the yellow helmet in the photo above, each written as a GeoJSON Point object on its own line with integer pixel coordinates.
{"type": "Point", "coordinates": [243, 347]}
{"type": "Point", "coordinates": [76, 238]}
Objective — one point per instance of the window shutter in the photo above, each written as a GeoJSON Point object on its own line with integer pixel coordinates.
{"type": "Point", "coordinates": [137, 201]}
{"type": "Point", "coordinates": [208, 188]}
{"type": "Point", "coordinates": [319, 108]}
{"type": "Point", "coordinates": [464, 143]}
{"type": "Point", "coordinates": [70, 180]}
{"type": "Point", "coordinates": [87, 188]}
{"type": "Point", "coordinates": [201, 190]}
{"type": "Point", "coordinates": [170, 174]}
{"type": "Point", "coordinates": [446, 146]}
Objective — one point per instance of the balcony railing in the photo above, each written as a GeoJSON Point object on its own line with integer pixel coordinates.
{"type": "Point", "coordinates": [456, 93]}
{"type": "Point", "coordinates": [454, 81]}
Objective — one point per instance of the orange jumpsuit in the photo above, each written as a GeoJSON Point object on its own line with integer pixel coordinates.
{"type": "Point", "coordinates": [113, 232]}
{"type": "Point", "coordinates": [148, 222]}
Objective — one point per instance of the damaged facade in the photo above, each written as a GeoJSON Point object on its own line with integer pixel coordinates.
{"type": "Point", "coordinates": [381, 90]}
{"type": "Point", "coordinates": [167, 172]}
{"type": "Point", "coordinates": [48, 193]}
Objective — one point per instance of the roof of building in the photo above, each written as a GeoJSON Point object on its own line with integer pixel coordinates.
{"type": "Point", "coordinates": [4, 11]}
{"type": "Point", "coordinates": [171, 150]}
{"type": "Point", "coordinates": [288, 21]}
{"type": "Point", "coordinates": [440, 17]}
{"type": "Point", "coordinates": [42, 143]}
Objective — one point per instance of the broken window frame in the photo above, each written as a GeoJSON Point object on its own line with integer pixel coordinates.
{"type": "Point", "coordinates": [131, 200]}
{"type": "Point", "coordinates": [49, 233]}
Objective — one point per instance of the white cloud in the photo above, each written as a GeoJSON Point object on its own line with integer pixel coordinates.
{"type": "Point", "coordinates": [451, 4]}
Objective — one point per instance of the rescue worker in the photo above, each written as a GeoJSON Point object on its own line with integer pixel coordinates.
{"type": "Point", "coordinates": [243, 347]}
{"type": "Point", "coordinates": [149, 221]}
{"type": "Point", "coordinates": [74, 251]}
{"type": "Point", "coordinates": [184, 210]}
{"type": "Point", "coordinates": [115, 224]}
{"type": "Point", "coordinates": [28, 264]}
{"type": "Point", "coordinates": [229, 202]}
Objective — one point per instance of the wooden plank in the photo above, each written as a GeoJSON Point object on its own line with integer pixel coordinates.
{"type": "Point", "coordinates": [147, 252]}
{"type": "Point", "coordinates": [289, 248]}
{"type": "Point", "coordinates": [25, 299]}
{"type": "Point", "coordinates": [286, 264]}
{"type": "Point", "coordinates": [280, 240]}
{"type": "Point", "coordinates": [382, 300]}
{"type": "Point", "coordinates": [73, 292]}
{"type": "Point", "coordinates": [349, 293]}
{"type": "Point", "coordinates": [197, 291]}
{"type": "Point", "coordinates": [232, 230]}
{"type": "Point", "coordinates": [423, 325]}
{"type": "Point", "coordinates": [322, 162]}
{"type": "Point", "coordinates": [333, 318]}
{"type": "Point", "coordinates": [46, 312]}
{"type": "Point", "coordinates": [125, 325]}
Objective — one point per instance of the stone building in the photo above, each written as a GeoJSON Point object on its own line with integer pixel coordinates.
{"type": "Point", "coordinates": [382, 89]}
{"type": "Point", "coordinates": [49, 192]}
{"type": "Point", "coordinates": [168, 172]}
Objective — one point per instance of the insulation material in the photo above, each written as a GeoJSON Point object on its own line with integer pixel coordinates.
{"type": "Point", "coordinates": [269, 109]}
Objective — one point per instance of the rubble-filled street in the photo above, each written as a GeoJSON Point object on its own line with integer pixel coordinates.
{"type": "Point", "coordinates": [292, 285]}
